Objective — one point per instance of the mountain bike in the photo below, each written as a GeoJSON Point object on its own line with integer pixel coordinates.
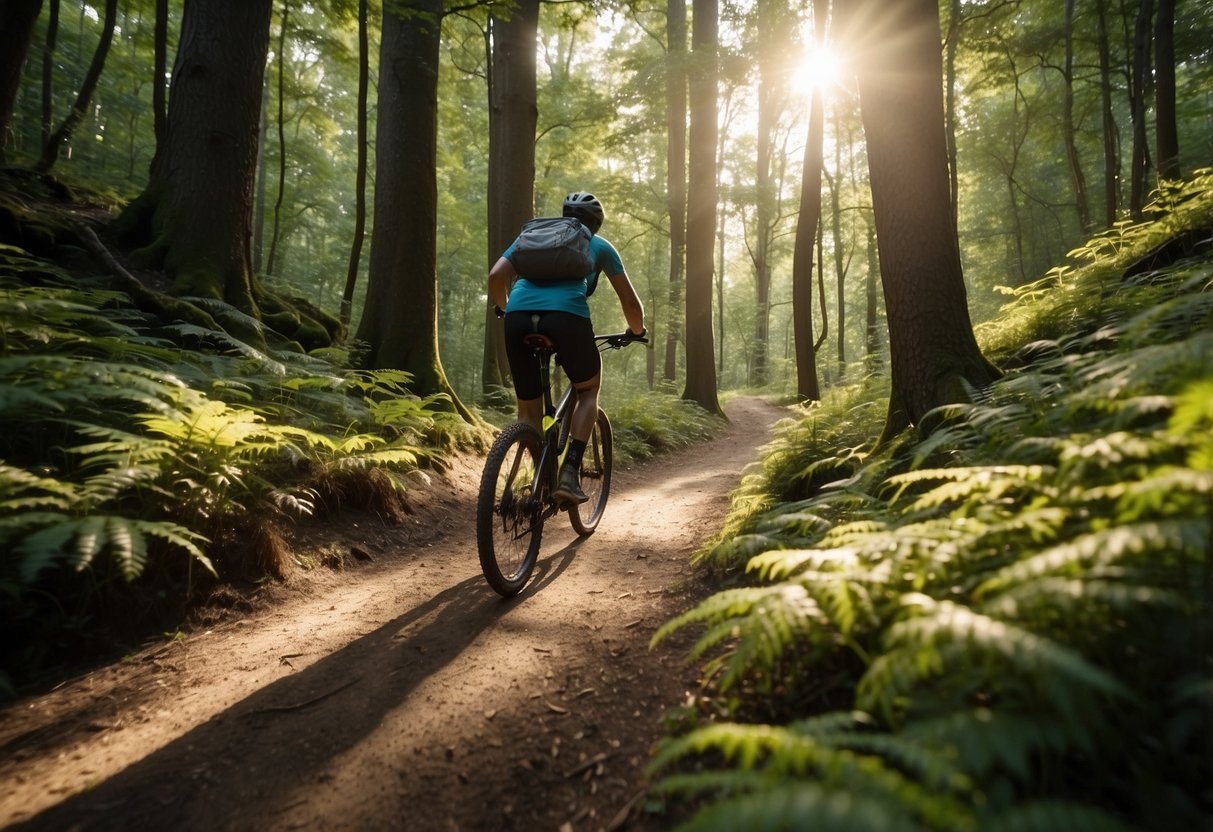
{"type": "Point", "coordinates": [521, 475]}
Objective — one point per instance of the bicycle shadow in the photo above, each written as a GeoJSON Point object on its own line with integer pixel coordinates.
{"type": "Point", "coordinates": [207, 778]}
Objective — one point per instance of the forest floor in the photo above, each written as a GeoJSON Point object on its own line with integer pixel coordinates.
{"type": "Point", "coordinates": [399, 691]}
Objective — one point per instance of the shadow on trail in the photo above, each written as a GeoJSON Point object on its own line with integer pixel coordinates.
{"type": "Point", "coordinates": [295, 726]}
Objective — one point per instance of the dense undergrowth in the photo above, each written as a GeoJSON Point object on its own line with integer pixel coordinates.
{"type": "Point", "coordinates": [1000, 621]}
{"type": "Point", "coordinates": [142, 461]}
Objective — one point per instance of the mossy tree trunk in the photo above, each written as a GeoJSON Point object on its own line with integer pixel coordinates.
{"type": "Point", "coordinates": [400, 320]}
{"type": "Point", "coordinates": [193, 219]}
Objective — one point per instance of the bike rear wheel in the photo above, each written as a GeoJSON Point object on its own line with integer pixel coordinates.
{"type": "Point", "coordinates": [509, 517]}
{"type": "Point", "coordinates": [595, 478]}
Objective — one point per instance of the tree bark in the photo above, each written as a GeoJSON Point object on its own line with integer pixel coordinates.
{"type": "Point", "coordinates": [513, 115]}
{"type": "Point", "coordinates": [1080, 182]}
{"type": "Point", "coordinates": [192, 220]}
{"type": "Point", "coordinates": [364, 63]}
{"type": "Point", "coordinates": [400, 321]}
{"type": "Point", "coordinates": [48, 71]}
{"type": "Point", "coordinates": [952, 43]}
{"type": "Point", "coordinates": [1166, 132]}
{"type": "Point", "coordinates": [1111, 149]}
{"type": "Point", "coordinates": [160, 61]}
{"type": "Point", "coordinates": [808, 387]}
{"type": "Point", "coordinates": [63, 135]}
{"type": "Point", "coordinates": [1138, 93]}
{"type": "Point", "coordinates": [872, 357]}
{"type": "Point", "coordinates": [676, 175]}
{"type": "Point", "coordinates": [934, 354]}
{"type": "Point", "coordinates": [701, 208]}
{"type": "Point", "coordinates": [17, 19]}
{"type": "Point", "coordinates": [271, 264]}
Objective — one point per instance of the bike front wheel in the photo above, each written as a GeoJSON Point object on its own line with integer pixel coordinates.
{"type": "Point", "coordinates": [595, 478]}
{"type": "Point", "coordinates": [509, 516]}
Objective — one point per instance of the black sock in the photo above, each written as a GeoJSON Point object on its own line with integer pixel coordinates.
{"type": "Point", "coordinates": [576, 449]}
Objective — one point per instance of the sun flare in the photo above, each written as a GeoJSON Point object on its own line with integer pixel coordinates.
{"type": "Point", "coordinates": [820, 69]}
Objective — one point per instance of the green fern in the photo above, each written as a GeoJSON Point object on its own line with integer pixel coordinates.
{"type": "Point", "coordinates": [42, 540]}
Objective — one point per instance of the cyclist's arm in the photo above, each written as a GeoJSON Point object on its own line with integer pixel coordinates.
{"type": "Point", "coordinates": [633, 309]}
{"type": "Point", "coordinates": [501, 276]}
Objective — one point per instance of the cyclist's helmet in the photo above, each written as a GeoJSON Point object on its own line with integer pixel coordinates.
{"type": "Point", "coordinates": [585, 207]}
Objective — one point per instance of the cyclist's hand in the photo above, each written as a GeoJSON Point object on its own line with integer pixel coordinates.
{"type": "Point", "coordinates": [641, 337]}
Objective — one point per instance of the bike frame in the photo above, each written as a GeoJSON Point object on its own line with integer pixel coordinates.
{"type": "Point", "coordinates": [557, 422]}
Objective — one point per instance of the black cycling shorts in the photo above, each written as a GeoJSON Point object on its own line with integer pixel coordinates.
{"type": "Point", "coordinates": [576, 351]}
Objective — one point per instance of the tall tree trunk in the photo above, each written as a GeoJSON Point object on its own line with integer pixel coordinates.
{"type": "Point", "coordinates": [263, 132]}
{"type": "Point", "coordinates": [276, 228]}
{"type": "Point", "coordinates": [1166, 130]}
{"type": "Point", "coordinates": [63, 135]}
{"type": "Point", "coordinates": [701, 207]}
{"type": "Point", "coordinates": [160, 62]}
{"type": "Point", "coordinates": [513, 114]}
{"type": "Point", "coordinates": [1080, 182]}
{"type": "Point", "coordinates": [808, 388]}
{"type": "Point", "coordinates": [206, 166]}
{"type": "Point", "coordinates": [48, 72]}
{"type": "Point", "coordinates": [1111, 148]}
{"type": "Point", "coordinates": [771, 34]}
{"type": "Point", "coordinates": [1138, 94]}
{"type": "Point", "coordinates": [840, 259]}
{"type": "Point", "coordinates": [934, 354]}
{"type": "Point", "coordinates": [364, 72]}
{"type": "Point", "coordinates": [676, 175]}
{"type": "Point", "coordinates": [17, 19]}
{"type": "Point", "coordinates": [872, 356]}
{"type": "Point", "coordinates": [400, 320]}
{"type": "Point", "coordinates": [952, 43]}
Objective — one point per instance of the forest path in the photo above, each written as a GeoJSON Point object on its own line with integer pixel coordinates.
{"type": "Point", "coordinates": [403, 694]}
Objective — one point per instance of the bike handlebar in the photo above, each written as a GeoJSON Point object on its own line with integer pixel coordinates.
{"type": "Point", "coordinates": [620, 340]}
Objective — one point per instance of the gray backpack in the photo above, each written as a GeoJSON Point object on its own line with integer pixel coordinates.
{"type": "Point", "coordinates": [551, 249]}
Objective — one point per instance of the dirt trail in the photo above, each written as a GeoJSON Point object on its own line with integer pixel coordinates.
{"type": "Point", "coordinates": [401, 694]}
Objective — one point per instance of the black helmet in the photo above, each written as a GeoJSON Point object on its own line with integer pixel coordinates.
{"type": "Point", "coordinates": [586, 208]}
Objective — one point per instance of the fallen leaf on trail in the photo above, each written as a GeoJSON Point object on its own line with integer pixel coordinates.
{"type": "Point", "coordinates": [555, 708]}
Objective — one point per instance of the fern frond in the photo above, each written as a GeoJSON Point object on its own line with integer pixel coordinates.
{"type": "Point", "coordinates": [947, 634]}
{"type": "Point", "coordinates": [790, 754]}
{"type": "Point", "coordinates": [1183, 537]}
{"type": "Point", "coordinates": [764, 622]}
{"type": "Point", "coordinates": [76, 542]}
{"type": "Point", "coordinates": [783, 563]}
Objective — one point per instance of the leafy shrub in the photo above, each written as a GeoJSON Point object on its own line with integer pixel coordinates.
{"type": "Point", "coordinates": [651, 423]}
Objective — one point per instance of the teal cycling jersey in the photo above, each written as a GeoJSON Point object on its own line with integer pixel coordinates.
{"type": "Point", "coordinates": [565, 296]}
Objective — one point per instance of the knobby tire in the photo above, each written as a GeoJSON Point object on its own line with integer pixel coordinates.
{"type": "Point", "coordinates": [595, 478]}
{"type": "Point", "coordinates": [509, 519]}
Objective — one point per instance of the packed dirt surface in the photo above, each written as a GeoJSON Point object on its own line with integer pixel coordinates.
{"type": "Point", "coordinates": [400, 692]}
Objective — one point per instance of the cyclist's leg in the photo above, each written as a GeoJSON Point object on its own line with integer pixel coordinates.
{"type": "Point", "coordinates": [531, 412]}
{"type": "Point", "coordinates": [578, 356]}
{"type": "Point", "coordinates": [585, 410]}
{"type": "Point", "coordinates": [524, 369]}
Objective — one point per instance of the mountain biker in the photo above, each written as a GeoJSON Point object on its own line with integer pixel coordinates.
{"type": "Point", "coordinates": [564, 316]}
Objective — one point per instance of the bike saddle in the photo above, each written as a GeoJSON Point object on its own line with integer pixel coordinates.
{"type": "Point", "coordinates": [538, 341]}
